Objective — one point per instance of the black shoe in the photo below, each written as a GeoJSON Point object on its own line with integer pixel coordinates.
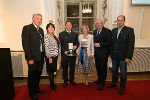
{"type": "Point", "coordinates": [121, 91]}
{"type": "Point", "coordinates": [40, 91]}
{"type": "Point", "coordinates": [101, 87]}
{"type": "Point", "coordinates": [64, 84]}
{"type": "Point", "coordinates": [96, 81]}
{"type": "Point", "coordinates": [73, 83]}
{"type": "Point", "coordinates": [53, 87]}
{"type": "Point", "coordinates": [34, 97]}
{"type": "Point", "coordinates": [111, 85]}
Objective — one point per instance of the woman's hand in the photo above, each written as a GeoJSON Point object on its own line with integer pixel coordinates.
{"type": "Point", "coordinates": [50, 60]}
{"type": "Point", "coordinates": [90, 56]}
{"type": "Point", "coordinates": [77, 54]}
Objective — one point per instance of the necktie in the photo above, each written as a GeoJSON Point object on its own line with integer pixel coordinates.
{"type": "Point", "coordinates": [41, 39]}
{"type": "Point", "coordinates": [98, 32]}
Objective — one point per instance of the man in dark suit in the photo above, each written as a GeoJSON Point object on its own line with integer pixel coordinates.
{"type": "Point", "coordinates": [121, 52]}
{"type": "Point", "coordinates": [102, 42]}
{"type": "Point", "coordinates": [68, 37]}
{"type": "Point", "coordinates": [33, 45]}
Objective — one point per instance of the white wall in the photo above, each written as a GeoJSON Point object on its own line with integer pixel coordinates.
{"type": "Point", "coordinates": [14, 14]}
{"type": "Point", "coordinates": [138, 18]}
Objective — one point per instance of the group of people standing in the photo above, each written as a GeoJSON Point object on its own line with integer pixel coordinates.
{"type": "Point", "coordinates": [118, 43]}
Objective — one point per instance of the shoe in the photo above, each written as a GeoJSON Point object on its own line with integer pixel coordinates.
{"type": "Point", "coordinates": [64, 84]}
{"type": "Point", "coordinates": [40, 91]}
{"type": "Point", "coordinates": [34, 97]}
{"type": "Point", "coordinates": [121, 91]}
{"type": "Point", "coordinates": [73, 83]}
{"type": "Point", "coordinates": [101, 87]}
{"type": "Point", "coordinates": [111, 85]}
{"type": "Point", "coordinates": [96, 81]}
{"type": "Point", "coordinates": [53, 87]}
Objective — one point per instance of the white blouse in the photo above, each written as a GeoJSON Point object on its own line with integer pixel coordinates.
{"type": "Point", "coordinates": [89, 43]}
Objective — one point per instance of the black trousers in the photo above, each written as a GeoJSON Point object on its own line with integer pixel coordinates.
{"type": "Point", "coordinates": [101, 67]}
{"type": "Point", "coordinates": [34, 75]}
{"type": "Point", "coordinates": [51, 68]}
{"type": "Point", "coordinates": [65, 62]}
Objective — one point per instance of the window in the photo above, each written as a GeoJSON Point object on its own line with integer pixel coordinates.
{"type": "Point", "coordinates": [81, 13]}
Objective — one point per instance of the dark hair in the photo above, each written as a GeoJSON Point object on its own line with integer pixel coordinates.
{"type": "Point", "coordinates": [121, 16]}
{"type": "Point", "coordinates": [50, 24]}
{"type": "Point", "coordinates": [67, 22]}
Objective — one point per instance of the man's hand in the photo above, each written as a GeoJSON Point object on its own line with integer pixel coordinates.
{"type": "Point", "coordinates": [31, 62]}
{"type": "Point", "coordinates": [127, 60]}
{"type": "Point", "coordinates": [66, 52]}
{"type": "Point", "coordinates": [74, 47]}
{"type": "Point", "coordinates": [96, 45]}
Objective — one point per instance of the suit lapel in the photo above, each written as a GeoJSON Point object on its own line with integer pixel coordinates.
{"type": "Point", "coordinates": [70, 35]}
{"type": "Point", "coordinates": [101, 33]}
{"type": "Point", "coordinates": [116, 31]}
{"type": "Point", "coordinates": [121, 32]}
{"type": "Point", "coordinates": [33, 27]}
{"type": "Point", "coordinates": [67, 36]}
{"type": "Point", "coordinates": [39, 33]}
{"type": "Point", "coordinates": [95, 33]}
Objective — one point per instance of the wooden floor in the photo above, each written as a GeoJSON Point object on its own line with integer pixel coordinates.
{"type": "Point", "coordinates": [91, 77]}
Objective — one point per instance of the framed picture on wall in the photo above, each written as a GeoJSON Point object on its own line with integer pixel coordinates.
{"type": "Point", "coordinates": [140, 2]}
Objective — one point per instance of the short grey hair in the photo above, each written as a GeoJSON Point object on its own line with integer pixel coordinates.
{"type": "Point", "coordinates": [100, 19]}
{"type": "Point", "coordinates": [36, 14]}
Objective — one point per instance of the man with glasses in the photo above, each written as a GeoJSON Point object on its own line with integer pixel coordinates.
{"type": "Point", "coordinates": [102, 42]}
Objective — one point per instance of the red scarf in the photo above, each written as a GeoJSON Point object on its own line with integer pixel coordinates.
{"type": "Point", "coordinates": [56, 39]}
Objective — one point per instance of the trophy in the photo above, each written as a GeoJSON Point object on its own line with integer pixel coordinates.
{"type": "Point", "coordinates": [71, 51]}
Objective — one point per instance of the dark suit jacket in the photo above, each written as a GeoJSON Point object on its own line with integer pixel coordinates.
{"type": "Point", "coordinates": [31, 42]}
{"type": "Point", "coordinates": [123, 47]}
{"type": "Point", "coordinates": [66, 38]}
{"type": "Point", "coordinates": [105, 40]}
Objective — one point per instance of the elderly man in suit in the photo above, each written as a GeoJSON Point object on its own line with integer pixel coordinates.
{"type": "Point", "coordinates": [68, 37]}
{"type": "Point", "coordinates": [102, 42]}
{"type": "Point", "coordinates": [121, 52]}
{"type": "Point", "coordinates": [33, 45]}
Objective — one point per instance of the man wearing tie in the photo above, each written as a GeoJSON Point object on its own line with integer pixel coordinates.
{"type": "Point", "coordinates": [33, 45]}
{"type": "Point", "coordinates": [68, 39]}
{"type": "Point", "coordinates": [121, 52]}
{"type": "Point", "coordinates": [102, 42]}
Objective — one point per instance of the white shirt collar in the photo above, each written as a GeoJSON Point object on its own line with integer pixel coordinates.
{"type": "Point", "coordinates": [35, 26]}
{"type": "Point", "coordinates": [99, 29]}
{"type": "Point", "coordinates": [120, 27]}
{"type": "Point", "coordinates": [68, 31]}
